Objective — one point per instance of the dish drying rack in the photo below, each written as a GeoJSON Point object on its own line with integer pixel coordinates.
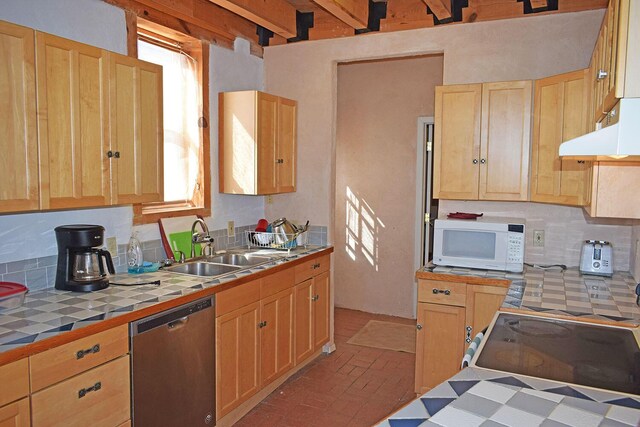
{"type": "Point", "coordinates": [265, 240]}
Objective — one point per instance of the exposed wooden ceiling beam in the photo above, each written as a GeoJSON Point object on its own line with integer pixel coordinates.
{"type": "Point", "coordinates": [538, 4]}
{"type": "Point", "coordinates": [275, 15]}
{"type": "Point", "coordinates": [354, 13]}
{"type": "Point", "coordinates": [405, 15]}
{"type": "Point", "coordinates": [440, 8]}
{"type": "Point", "coordinates": [327, 26]}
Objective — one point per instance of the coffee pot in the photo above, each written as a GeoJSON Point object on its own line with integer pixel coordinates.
{"type": "Point", "coordinates": [80, 261]}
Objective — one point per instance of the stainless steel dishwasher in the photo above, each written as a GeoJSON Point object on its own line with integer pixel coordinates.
{"type": "Point", "coordinates": [173, 367]}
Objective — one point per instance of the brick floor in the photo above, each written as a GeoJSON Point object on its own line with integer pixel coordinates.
{"type": "Point", "coordinates": [354, 386]}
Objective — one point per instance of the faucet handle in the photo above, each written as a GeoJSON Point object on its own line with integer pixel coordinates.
{"type": "Point", "coordinates": [182, 257]}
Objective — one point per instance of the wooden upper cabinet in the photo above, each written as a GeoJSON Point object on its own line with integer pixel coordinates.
{"type": "Point", "coordinates": [505, 141]}
{"type": "Point", "coordinates": [73, 123]}
{"type": "Point", "coordinates": [19, 143]}
{"type": "Point", "coordinates": [560, 114]}
{"type": "Point", "coordinates": [257, 143]}
{"type": "Point", "coordinates": [482, 135]}
{"type": "Point", "coordinates": [457, 141]}
{"type": "Point", "coordinates": [136, 130]}
{"type": "Point", "coordinates": [615, 63]}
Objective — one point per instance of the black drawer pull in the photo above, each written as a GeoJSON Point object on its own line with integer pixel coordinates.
{"type": "Point", "coordinates": [83, 392]}
{"type": "Point", "coordinates": [441, 291]}
{"type": "Point", "coordinates": [81, 353]}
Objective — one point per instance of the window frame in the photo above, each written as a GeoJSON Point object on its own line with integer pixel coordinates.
{"type": "Point", "coordinates": [200, 205]}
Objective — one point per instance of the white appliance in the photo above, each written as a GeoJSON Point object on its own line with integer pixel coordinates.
{"type": "Point", "coordinates": [485, 243]}
{"type": "Point", "coordinates": [596, 258]}
{"type": "Point", "coordinates": [616, 139]}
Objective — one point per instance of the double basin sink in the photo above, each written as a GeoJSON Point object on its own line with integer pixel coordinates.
{"type": "Point", "coordinates": [221, 264]}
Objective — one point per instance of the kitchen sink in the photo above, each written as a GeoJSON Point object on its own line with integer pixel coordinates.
{"type": "Point", "coordinates": [244, 260]}
{"type": "Point", "coordinates": [199, 268]}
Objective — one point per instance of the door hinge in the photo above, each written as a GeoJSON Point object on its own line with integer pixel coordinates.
{"type": "Point", "coordinates": [427, 218]}
{"type": "Point", "coordinates": [429, 146]}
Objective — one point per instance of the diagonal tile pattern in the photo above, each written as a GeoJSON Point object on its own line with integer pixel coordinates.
{"type": "Point", "coordinates": [353, 386]}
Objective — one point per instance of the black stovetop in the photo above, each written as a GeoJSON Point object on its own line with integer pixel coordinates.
{"type": "Point", "coordinates": [572, 352]}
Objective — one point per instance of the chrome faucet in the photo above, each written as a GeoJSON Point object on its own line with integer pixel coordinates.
{"type": "Point", "coordinates": [203, 237]}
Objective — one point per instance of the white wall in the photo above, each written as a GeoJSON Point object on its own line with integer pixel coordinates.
{"type": "Point", "coordinates": [97, 23]}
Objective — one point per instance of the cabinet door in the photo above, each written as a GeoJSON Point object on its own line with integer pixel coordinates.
{"type": "Point", "coordinates": [439, 344]}
{"type": "Point", "coordinates": [16, 414]}
{"type": "Point", "coordinates": [136, 130]}
{"type": "Point", "coordinates": [72, 114]}
{"type": "Point", "coordinates": [304, 343]}
{"type": "Point", "coordinates": [237, 357]}
{"type": "Point", "coordinates": [482, 303]}
{"type": "Point", "coordinates": [321, 306]}
{"type": "Point", "coordinates": [505, 141]}
{"type": "Point", "coordinates": [286, 145]}
{"type": "Point", "coordinates": [19, 143]}
{"type": "Point", "coordinates": [457, 141]}
{"type": "Point", "coordinates": [276, 340]}
{"type": "Point", "coordinates": [560, 114]}
{"type": "Point", "coordinates": [267, 135]}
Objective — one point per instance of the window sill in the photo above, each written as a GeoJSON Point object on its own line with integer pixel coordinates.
{"type": "Point", "coordinates": [150, 214]}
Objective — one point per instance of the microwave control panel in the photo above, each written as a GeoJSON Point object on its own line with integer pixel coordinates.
{"type": "Point", "coordinates": [515, 244]}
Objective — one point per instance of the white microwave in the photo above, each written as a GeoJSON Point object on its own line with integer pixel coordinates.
{"type": "Point", "coordinates": [485, 243]}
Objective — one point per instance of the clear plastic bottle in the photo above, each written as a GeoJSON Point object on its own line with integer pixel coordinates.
{"type": "Point", "coordinates": [134, 255]}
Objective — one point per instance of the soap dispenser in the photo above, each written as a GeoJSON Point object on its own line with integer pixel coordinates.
{"type": "Point", "coordinates": [134, 255]}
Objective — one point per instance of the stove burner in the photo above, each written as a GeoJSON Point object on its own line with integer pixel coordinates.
{"type": "Point", "coordinates": [603, 376]}
{"type": "Point", "coordinates": [536, 328]}
{"type": "Point", "coordinates": [598, 337]}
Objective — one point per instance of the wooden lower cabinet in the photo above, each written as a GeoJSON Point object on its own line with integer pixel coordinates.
{"type": "Point", "coordinates": [237, 357]}
{"type": "Point", "coordinates": [266, 327]}
{"type": "Point", "coordinates": [446, 323]}
{"type": "Point", "coordinates": [312, 316]}
{"type": "Point", "coordinates": [16, 414]}
{"type": "Point", "coordinates": [439, 343]}
{"type": "Point", "coordinates": [99, 397]}
{"type": "Point", "coordinates": [276, 340]}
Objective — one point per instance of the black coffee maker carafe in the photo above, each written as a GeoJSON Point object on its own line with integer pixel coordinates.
{"type": "Point", "coordinates": [80, 266]}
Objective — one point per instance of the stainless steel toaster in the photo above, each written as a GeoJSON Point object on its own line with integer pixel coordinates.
{"type": "Point", "coordinates": [596, 258]}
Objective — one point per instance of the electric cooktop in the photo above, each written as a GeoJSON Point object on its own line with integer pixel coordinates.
{"type": "Point", "coordinates": [604, 357]}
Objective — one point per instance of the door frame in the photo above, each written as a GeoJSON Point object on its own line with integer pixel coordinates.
{"type": "Point", "coordinates": [423, 183]}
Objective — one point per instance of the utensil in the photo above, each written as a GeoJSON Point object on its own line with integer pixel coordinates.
{"type": "Point", "coordinates": [286, 233]}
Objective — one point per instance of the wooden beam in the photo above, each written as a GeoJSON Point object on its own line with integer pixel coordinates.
{"type": "Point", "coordinates": [538, 4]}
{"type": "Point", "coordinates": [131, 20]}
{"type": "Point", "coordinates": [354, 13]}
{"type": "Point", "coordinates": [579, 5]}
{"type": "Point", "coordinates": [275, 15]}
{"type": "Point", "coordinates": [493, 12]}
{"type": "Point", "coordinates": [406, 15]}
{"type": "Point", "coordinates": [440, 8]}
{"type": "Point", "coordinates": [327, 26]}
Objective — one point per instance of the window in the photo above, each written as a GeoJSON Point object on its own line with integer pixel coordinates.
{"type": "Point", "coordinates": [186, 135]}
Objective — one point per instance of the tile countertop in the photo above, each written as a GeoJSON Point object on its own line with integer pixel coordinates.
{"type": "Point", "coordinates": [51, 312]}
{"type": "Point", "coordinates": [481, 397]}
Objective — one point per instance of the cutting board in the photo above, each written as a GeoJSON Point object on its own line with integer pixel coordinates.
{"type": "Point", "coordinates": [181, 228]}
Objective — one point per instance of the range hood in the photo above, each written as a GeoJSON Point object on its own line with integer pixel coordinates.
{"type": "Point", "coordinates": [618, 139]}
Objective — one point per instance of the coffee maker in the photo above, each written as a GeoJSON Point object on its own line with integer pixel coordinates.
{"type": "Point", "coordinates": [80, 266]}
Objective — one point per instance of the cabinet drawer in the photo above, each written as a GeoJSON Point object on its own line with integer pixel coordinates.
{"type": "Point", "coordinates": [57, 364]}
{"type": "Point", "coordinates": [311, 268]}
{"type": "Point", "coordinates": [98, 397]}
{"type": "Point", "coordinates": [449, 293]}
{"type": "Point", "coordinates": [238, 296]}
{"type": "Point", "coordinates": [14, 378]}
{"type": "Point", "coordinates": [278, 282]}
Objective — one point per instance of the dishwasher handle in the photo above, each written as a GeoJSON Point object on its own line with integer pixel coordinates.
{"type": "Point", "coordinates": [176, 324]}
{"type": "Point", "coordinates": [173, 318]}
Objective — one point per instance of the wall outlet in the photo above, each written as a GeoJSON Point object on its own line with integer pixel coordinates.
{"type": "Point", "coordinates": [269, 199]}
{"type": "Point", "coordinates": [231, 229]}
{"type": "Point", "coordinates": [538, 238]}
{"type": "Point", "coordinates": [112, 246]}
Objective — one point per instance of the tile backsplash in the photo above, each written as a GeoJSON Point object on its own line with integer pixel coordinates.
{"type": "Point", "coordinates": [565, 228]}
{"type": "Point", "coordinates": [40, 273]}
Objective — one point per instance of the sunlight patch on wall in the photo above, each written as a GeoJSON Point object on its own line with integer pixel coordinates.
{"type": "Point", "coordinates": [242, 149]}
{"type": "Point", "coordinates": [362, 229]}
